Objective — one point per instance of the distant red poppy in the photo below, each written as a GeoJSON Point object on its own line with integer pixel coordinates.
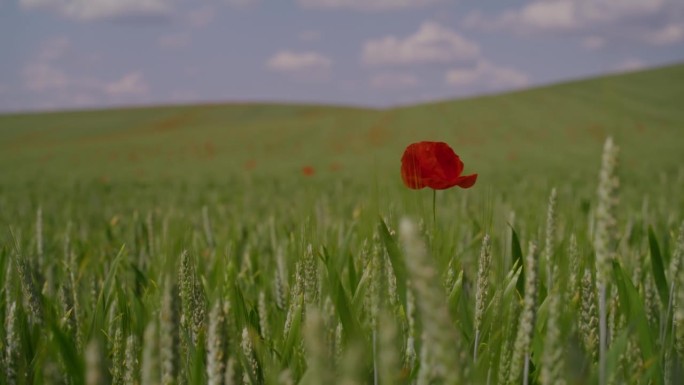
{"type": "Point", "coordinates": [308, 170]}
{"type": "Point", "coordinates": [434, 165]}
{"type": "Point", "coordinates": [250, 164]}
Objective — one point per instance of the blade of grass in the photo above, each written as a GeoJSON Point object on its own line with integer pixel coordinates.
{"type": "Point", "coordinates": [104, 297]}
{"type": "Point", "coordinates": [396, 259]}
{"type": "Point", "coordinates": [658, 269]}
{"type": "Point", "coordinates": [516, 253]}
{"type": "Point", "coordinates": [340, 299]}
{"type": "Point", "coordinates": [636, 317]}
{"type": "Point", "coordinates": [73, 364]}
{"type": "Point", "coordinates": [293, 336]}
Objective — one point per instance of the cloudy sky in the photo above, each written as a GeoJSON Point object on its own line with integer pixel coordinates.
{"type": "Point", "coordinates": [57, 54]}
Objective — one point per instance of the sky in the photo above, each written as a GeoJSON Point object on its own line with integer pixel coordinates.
{"type": "Point", "coordinates": [74, 54]}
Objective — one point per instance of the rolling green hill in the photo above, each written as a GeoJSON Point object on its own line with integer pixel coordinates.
{"type": "Point", "coordinates": [553, 132]}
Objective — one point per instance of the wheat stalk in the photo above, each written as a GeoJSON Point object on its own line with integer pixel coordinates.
{"type": "Point", "coordinates": [605, 241]}
{"type": "Point", "coordinates": [482, 289]}
{"type": "Point", "coordinates": [439, 335]}
{"type": "Point", "coordinates": [523, 339]}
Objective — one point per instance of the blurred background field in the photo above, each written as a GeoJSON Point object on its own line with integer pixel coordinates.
{"type": "Point", "coordinates": [552, 133]}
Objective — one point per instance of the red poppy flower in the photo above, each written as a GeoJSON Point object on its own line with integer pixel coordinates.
{"type": "Point", "coordinates": [434, 165]}
{"type": "Point", "coordinates": [308, 170]}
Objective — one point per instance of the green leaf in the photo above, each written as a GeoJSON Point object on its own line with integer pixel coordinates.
{"type": "Point", "coordinates": [104, 297]}
{"type": "Point", "coordinates": [516, 253]}
{"type": "Point", "coordinates": [465, 312]}
{"type": "Point", "coordinates": [241, 312]}
{"type": "Point", "coordinates": [293, 334]}
{"type": "Point", "coordinates": [360, 292]}
{"type": "Point", "coordinates": [339, 296]}
{"type": "Point", "coordinates": [658, 269]}
{"type": "Point", "coordinates": [636, 316]}
{"type": "Point", "coordinates": [455, 294]}
{"type": "Point", "coordinates": [198, 365]}
{"type": "Point", "coordinates": [72, 361]}
{"type": "Point", "coordinates": [352, 276]}
{"type": "Point", "coordinates": [512, 278]}
{"type": "Point", "coordinates": [397, 261]}
{"type": "Point", "coordinates": [617, 349]}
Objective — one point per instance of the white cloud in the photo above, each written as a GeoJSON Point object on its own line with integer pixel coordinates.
{"type": "Point", "coordinates": [393, 80]}
{"type": "Point", "coordinates": [669, 34]}
{"type": "Point", "coordinates": [301, 63]}
{"type": "Point", "coordinates": [132, 83]}
{"type": "Point", "coordinates": [629, 65]}
{"type": "Point", "coordinates": [174, 41]}
{"type": "Point", "coordinates": [485, 75]}
{"type": "Point", "coordinates": [432, 43]}
{"type": "Point", "coordinates": [40, 73]}
{"type": "Point", "coordinates": [43, 76]}
{"type": "Point", "coordinates": [366, 5]}
{"type": "Point", "coordinates": [593, 42]}
{"type": "Point", "coordinates": [598, 22]}
{"type": "Point", "coordinates": [565, 15]}
{"type": "Point", "coordinates": [53, 83]}
{"type": "Point", "coordinates": [101, 9]}
{"type": "Point", "coordinates": [310, 36]}
{"type": "Point", "coordinates": [546, 15]}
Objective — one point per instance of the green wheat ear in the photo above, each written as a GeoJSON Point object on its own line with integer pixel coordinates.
{"type": "Point", "coordinates": [12, 346]}
{"type": "Point", "coordinates": [251, 365]}
{"type": "Point", "coordinates": [588, 320]}
{"type": "Point", "coordinates": [442, 347]}
{"type": "Point", "coordinates": [605, 239]}
{"type": "Point", "coordinates": [118, 354]}
{"type": "Point", "coordinates": [169, 336]}
{"type": "Point", "coordinates": [216, 346]}
{"type": "Point", "coordinates": [482, 289]}
{"type": "Point", "coordinates": [31, 293]}
{"type": "Point", "coordinates": [553, 364]}
{"type": "Point", "coordinates": [523, 340]}
{"type": "Point", "coordinates": [677, 273]}
{"type": "Point", "coordinates": [550, 244]}
{"type": "Point", "coordinates": [132, 363]}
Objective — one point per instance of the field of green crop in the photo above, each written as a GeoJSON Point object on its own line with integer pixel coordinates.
{"type": "Point", "coordinates": [187, 244]}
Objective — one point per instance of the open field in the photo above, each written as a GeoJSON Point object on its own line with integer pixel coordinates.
{"type": "Point", "coordinates": [184, 244]}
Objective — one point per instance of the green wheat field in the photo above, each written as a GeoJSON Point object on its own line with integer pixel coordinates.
{"type": "Point", "coordinates": [185, 244]}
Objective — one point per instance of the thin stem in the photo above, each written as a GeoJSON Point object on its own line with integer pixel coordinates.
{"type": "Point", "coordinates": [602, 333]}
{"type": "Point", "coordinates": [375, 358]}
{"type": "Point", "coordinates": [477, 341]}
{"type": "Point", "coordinates": [434, 212]}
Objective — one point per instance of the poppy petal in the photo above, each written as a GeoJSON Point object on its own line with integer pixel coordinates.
{"type": "Point", "coordinates": [438, 184]}
{"type": "Point", "coordinates": [466, 181]}
{"type": "Point", "coordinates": [411, 172]}
{"type": "Point", "coordinates": [449, 163]}
{"type": "Point", "coordinates": [439, 165]}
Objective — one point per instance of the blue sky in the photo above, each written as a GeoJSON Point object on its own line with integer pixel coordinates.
{"type": "Point", "coordinates": [64, 54]}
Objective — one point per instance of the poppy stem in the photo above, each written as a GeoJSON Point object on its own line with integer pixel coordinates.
{"type": "Point", "coordinates": [434, 212]}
